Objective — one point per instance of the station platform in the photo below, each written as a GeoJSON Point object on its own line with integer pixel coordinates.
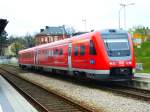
{"type": "Point", "coordinates": [141, 80]}
{"type": "Point", "coordinates": [11, 100]}
{"type": "Point", "coordinates": [144, 77]}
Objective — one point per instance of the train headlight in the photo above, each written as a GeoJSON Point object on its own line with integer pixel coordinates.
{"type": "Point", "coordinates": [128, 62]}
{"type": "Point", "coordinates": [110, 63]}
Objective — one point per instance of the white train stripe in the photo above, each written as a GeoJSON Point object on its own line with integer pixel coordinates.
{"type": "Point", "coordinates": [91, 71]}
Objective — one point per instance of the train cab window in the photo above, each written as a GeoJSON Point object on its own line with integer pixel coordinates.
{"type": "Point", "coordinates": [82, 50]}
{"type": "Point", "coordinates": [76, 50]}
{"type": "Point", "coordinates": [61, 52]}
{"type": "Point", "coordinates": [92, 48]}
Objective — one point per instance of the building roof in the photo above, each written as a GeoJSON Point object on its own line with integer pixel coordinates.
{"type": "Point", "coordinates": [3, 23]}
{"type": "Point", "coordinates": [60, 30]}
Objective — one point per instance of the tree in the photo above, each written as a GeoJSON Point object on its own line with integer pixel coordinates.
{"type": "Point", "coordinates": [16, 46]}
{"type": "Point", "coordinates": [143, 31]}
{"type": "Point", "coordinates": [3, 42]}
{"type": "Point", "coordinates": [18, 43]}
{"type": "Point", "coordinates": [29, 41]}
{"type": "Point", "coordinates": [69, 29]}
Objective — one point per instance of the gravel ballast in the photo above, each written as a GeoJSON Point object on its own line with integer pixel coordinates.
{"type": "Point", "coordinates": [97, 99]}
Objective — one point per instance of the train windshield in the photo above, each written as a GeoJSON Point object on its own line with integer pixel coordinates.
{"type": "Point", "coordinates": [117, 45]}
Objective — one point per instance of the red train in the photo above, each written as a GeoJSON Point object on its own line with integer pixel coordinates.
{"type": "Point", "coordinates": [100, 55]}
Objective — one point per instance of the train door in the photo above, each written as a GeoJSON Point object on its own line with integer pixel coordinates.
{"type": "Point", "coordinates": [36, 57]}
{"type": "Point", "coordinates": [69, 57]}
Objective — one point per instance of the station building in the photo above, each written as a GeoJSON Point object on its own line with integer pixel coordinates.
{"type": "Point", "coordinates": [51, 34]}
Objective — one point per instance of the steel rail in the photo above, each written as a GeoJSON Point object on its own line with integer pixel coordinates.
{"type": "Point", "coordinates": [120, 89]}
{"type": "Point", "coordinates": [46, 107]}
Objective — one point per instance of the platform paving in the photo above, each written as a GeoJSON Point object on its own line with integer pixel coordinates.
{"type": "Point", "coordinates": [142, 77]}
{"type": "Point", "coordinates": [11, 100]}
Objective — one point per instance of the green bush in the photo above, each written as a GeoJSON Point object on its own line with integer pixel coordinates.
{"type": "Point", "coordinates": [143, 56]}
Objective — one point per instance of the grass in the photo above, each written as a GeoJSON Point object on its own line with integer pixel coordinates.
{"type": "Point", "coordinates": [143, 56]}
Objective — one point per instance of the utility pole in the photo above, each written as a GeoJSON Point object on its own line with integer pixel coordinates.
{"type": "Point", "coordinates": [119, 17]}
{"type": "Point", "coordinates": [124, 6]}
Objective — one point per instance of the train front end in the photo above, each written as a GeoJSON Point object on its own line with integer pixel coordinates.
{"type": "Point", "coordinates": [119, 48]}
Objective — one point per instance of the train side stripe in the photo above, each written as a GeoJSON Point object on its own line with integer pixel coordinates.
{"type": "Point", "coordinates": [91, 71]}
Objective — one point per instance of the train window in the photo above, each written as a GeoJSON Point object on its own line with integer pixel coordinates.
{"type": "Point", "coordinates": [56, 51]}
{"type": "Point", "coordinates": [82, 50]}
{"type": "Point", "coordinates": [46, 53]}
{"type": "Point", "coordinates": [76, 50]}
{"type": "Point", "coordinates": [49, 53]}
{"type": "Point", "coordinates": [92, 48]}
{"type": "Point", "coordinates": [52, 52]}
{"type": "Point", "coordinates": [61, 51]}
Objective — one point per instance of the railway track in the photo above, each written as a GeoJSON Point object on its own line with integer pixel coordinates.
{"type": "Point", "coordinates": [120, 89]}
{"type": "Point", "coordinates": [130, 91]}
{"type": "Point", "coordinates": [43, 100]}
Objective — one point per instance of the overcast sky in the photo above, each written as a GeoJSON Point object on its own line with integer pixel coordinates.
{"type": "Point", "coordinates": [29, 16]}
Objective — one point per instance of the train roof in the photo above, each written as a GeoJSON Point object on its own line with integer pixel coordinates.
{"type": "Point", "coordinates": [82, 36]}
{"type": "Point", "coordinates": [113, 31]}
{"type": "Point", "coordinates": [57, 42]}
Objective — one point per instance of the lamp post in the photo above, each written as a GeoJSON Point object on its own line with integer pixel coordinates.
{"type": "Point", "coordinates": [119, 16]}
{"type": "Point", "coordinates": [124, 6]}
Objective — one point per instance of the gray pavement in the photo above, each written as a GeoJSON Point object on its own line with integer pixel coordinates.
{"type": "Point", "coordinates": [144, 75]}
{"type": "Point", "coordinates": [4, 103]}
{"type": "Point", "coordinates": [11, 100]}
